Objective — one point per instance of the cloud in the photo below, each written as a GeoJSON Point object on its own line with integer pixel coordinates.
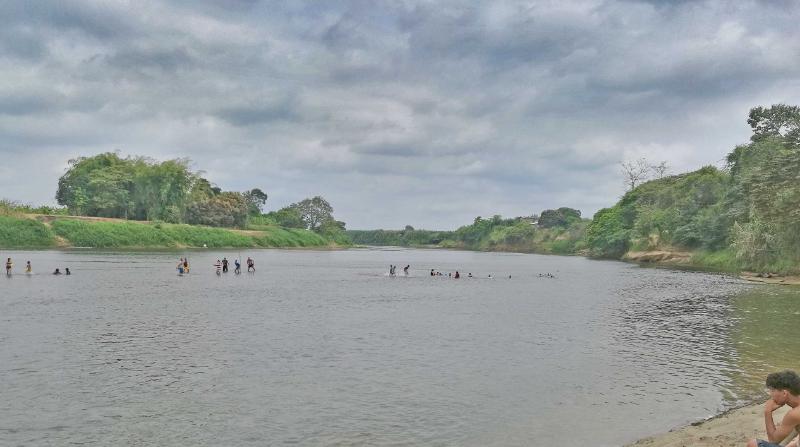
{"type": "Point", "coordinates": [414, 112]}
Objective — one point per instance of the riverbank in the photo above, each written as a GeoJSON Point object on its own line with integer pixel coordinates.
{"type": "Point", "coordinates": [42, 231]}
{"type": "Point", "coordinates": [732, 428]}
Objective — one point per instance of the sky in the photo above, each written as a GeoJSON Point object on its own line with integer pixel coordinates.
{"type": "Point", "coordinates": [422, 113]}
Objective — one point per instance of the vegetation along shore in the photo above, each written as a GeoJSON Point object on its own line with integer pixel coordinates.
{"type": "Point", "coordinates": [743, 217]}
{"type": "Point", "coordinates": [110, 201]}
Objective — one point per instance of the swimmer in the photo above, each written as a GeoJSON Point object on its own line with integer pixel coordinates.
{"type": "Point", "coordinates": [67, 272]}
{"type": "Point", "coordinates": [433, 273]}
{"type": "Point", "coordinates": [405, 269]}
{"type": "Point", "coordinates": [457, 275]}
{"type": "Point", "coordinates": [57, 272]}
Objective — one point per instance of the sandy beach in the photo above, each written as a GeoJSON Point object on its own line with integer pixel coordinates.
{"type": "Point", "coordinates": [733, 428]}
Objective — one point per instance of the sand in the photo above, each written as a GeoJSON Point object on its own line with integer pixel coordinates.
{"type": "Point", "coordinates": [733, 428]}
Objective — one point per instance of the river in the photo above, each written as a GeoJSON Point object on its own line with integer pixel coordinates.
{"type": "Point", "coordinates": [324, 348]}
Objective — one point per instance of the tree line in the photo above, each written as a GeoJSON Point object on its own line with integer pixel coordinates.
{"type": "Point", "coordinates": [140, 188]}
{"type": "Point", "coordinates": [748, 211]}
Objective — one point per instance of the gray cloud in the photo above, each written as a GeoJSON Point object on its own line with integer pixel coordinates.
{"type": "Point", "coordinates": [421, 113]}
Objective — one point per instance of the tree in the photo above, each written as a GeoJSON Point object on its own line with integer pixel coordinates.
{"type": "Point", "coordinates": [660, 170]}
{"type": "Point", "coordinates": [227, 209]}
{"type": "Point", "coordinates": [561, 217]}
{"type": "Point", "coordinates": [635, 172]}
{"type": "Point", "coordinates": [256, 199]}
{"type": "Point", "coordinates": [778, 121]}
{"type": "Point", "coordinates": [132, 187]}
{"type": "Point", "coordinates": [288, 217]}
{"type": "Point", "coordinates": [314, 212]}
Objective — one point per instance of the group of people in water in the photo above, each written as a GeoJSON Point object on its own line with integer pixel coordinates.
{"type": "Point", "coordinates": [29, 268]}
{"type": "Point", "coordinates": [393, 270]}
{"type": "Point", "coordinates": [457, 274]}
{"type": "Point", "coordinates": [221, 266]}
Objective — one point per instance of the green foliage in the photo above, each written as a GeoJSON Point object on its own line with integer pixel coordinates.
{"type": "Point", "coordinates": [515, 234]}
{"type": "Point", "coordinates": [686, 211]}
{"type": "Point", "coordinates": [334, 230]}
{"type": "Point", "coordinates": [108, 185]}
{"type": "Point", "coordinates": [255, 199]}
{"type": "Point", "coordinates": [100, 234]}
{"type": "Point", "coordinates": [399, 238]}
{"type": "Point", "coordinates": [227, 209]}
{"type": "Point", "coordinates": [747, 217]}
{"type": "Point", "coordinates": [10, 207]}
{"type": "Point", "coordinates": [561, 217]}
{"type": "Point", "coordinates": [20, 232]}
{"type": "Point", "coordinates": [261, 222]}
{"type": "Point", "coordinates": [288, 217]}
{"type": "Point", "coordinates": [313, 212]}
{"type": "Point", "coordinates": [779, 121]}
{"type": "Point", "coordinates": [607, 235]}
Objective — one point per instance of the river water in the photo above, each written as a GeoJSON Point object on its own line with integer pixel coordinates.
{"type": "Point", "coordinates": [324, 348]}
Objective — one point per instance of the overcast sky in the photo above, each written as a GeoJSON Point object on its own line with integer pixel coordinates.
{"type": "Point", "coordinates": [423, 113]}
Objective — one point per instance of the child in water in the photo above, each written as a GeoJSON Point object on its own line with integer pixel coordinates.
{"type": "Point", "coordinates": [28, 268]}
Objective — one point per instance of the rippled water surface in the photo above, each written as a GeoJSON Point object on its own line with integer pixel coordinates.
{"type": "Point", "coordinates": [323, 348]}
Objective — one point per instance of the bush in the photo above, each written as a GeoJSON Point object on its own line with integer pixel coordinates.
{"type": "Point", "coordinates": [227, 209]}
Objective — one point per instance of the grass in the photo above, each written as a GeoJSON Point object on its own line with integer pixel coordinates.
{"type": "Point", "coordinates": [81, 233]}
{"type": "Point", "coordinates": [19, 232]}
{"type": "Point", "coordinates": [725, 261]}
{"type": "Point", "coordinates": [722, 261]}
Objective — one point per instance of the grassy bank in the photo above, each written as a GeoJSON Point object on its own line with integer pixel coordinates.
{"type": "Point", "coordinates": [19, 232]}
{"type": "Point", "coordinates": [26, 232]}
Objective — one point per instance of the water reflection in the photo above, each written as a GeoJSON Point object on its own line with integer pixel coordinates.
{"type": "Point", "coordinates": [766, 336]}
{"type": "Point", "coordinates": [322, 348]}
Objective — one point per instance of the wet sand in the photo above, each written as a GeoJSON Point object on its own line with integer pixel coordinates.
{"type": "Point", "coordinates": [733, 428]}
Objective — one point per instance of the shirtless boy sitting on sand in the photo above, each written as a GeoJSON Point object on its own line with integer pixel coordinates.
{"type": "Point", "coordinates": [784, 389]}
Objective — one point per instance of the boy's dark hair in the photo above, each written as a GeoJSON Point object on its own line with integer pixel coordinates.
{"type": "Point", "coordinates": [784, 380]}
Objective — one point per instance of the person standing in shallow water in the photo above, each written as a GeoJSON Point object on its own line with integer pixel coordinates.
{"type": "Point", "coordinates": [9, 264]}
{"type": "Point", "coordinates": [251, 265]}
{"type": "Point", "coordinates": [224, 265]}
{"type": "Point", "coordinates": [28, 268]}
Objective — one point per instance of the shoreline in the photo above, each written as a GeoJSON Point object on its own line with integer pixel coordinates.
{"type": "Point", "coordinates": [731, 428]}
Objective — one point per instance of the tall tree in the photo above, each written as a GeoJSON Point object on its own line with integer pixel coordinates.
{"type": "Point", "coordinates": [256, 199]}
{"type": "Point", "coordinates": [314, 212]}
